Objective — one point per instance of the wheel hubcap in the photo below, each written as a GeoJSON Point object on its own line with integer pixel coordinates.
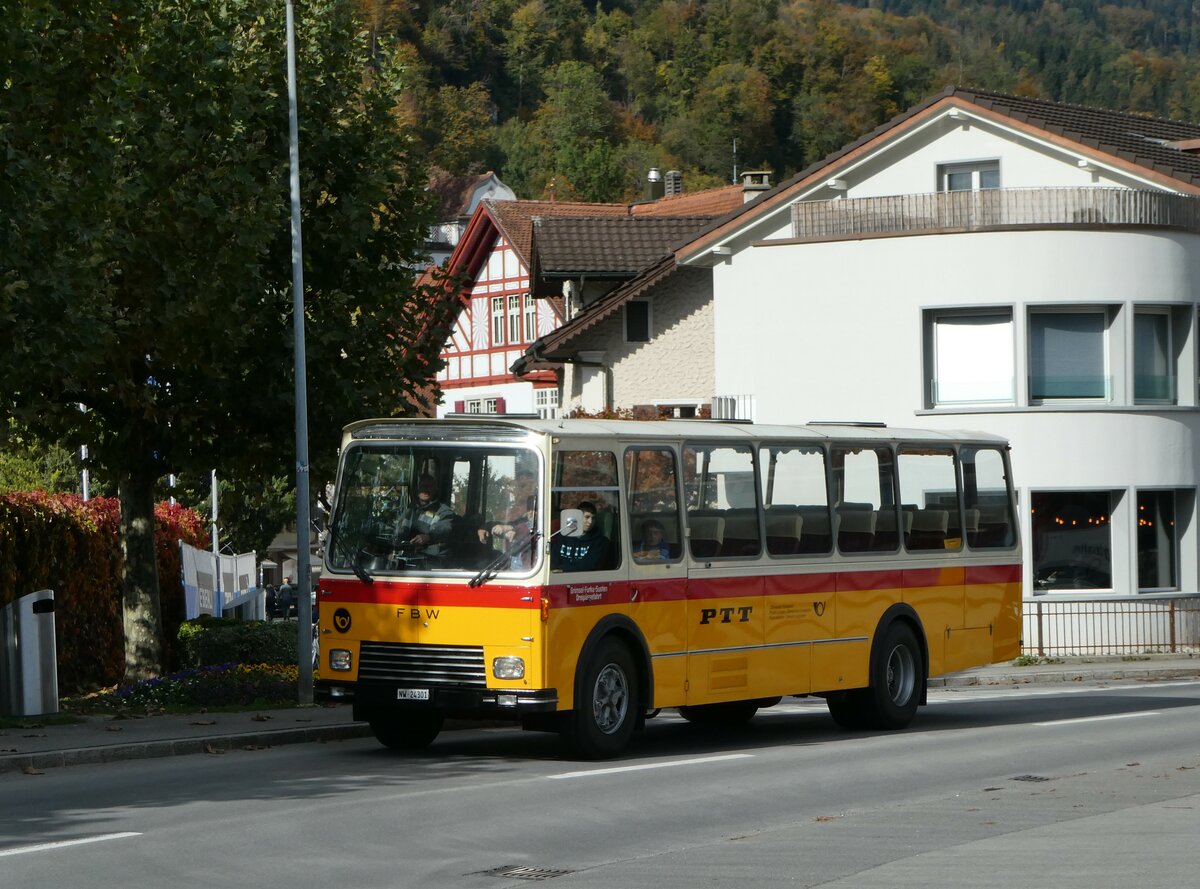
{"type": "Point", "coordinates": [901, 675]}
{"type": "Point", "coordinates": [610, 700]}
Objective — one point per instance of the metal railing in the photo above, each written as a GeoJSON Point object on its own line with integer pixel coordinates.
{"type": "Point", "coordinates": [1148, 623]}
{"type": "Point", "coordinates": [995, 208]}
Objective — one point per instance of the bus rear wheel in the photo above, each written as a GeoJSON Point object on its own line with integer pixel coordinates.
{"type": "Point", "coordinates": [412, 731]}
{"type": "Point", "coordinates": [606, 704]}
{"type": "Point", "coordinates": [895, 692]}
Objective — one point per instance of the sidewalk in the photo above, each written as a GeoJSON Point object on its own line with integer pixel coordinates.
{"type": "Point", "coordinates": [95, 739]}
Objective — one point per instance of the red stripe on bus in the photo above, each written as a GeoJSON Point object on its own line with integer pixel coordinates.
{"type": "Point", "coordinates": [849, 581]}
{"type": "Point", "coordinates": [444, 595]}
{"type": "Point", "coordinates": [800, 584]}
{"type": "Point", "coordinates": [994, 573]}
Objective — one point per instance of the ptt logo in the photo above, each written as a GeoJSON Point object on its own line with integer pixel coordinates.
{"type": "Point", "coordinates": [709, 615]}
{"type": "Point", "coordinates": [341, 620]}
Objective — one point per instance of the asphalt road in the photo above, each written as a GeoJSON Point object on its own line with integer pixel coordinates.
{"type": "Point", "coordinates": [1089, 785]}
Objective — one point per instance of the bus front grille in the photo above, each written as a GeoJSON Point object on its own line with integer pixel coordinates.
{"type": "Point", "coordinates": [422, 664]}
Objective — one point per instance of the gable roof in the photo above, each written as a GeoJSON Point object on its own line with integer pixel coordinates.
{"type": "Point", "coordinates": [514, 219]}
{"type": "Point", "coordinates": [1154, 148]}
{"type": "Point", "coordinates": [607, 247]}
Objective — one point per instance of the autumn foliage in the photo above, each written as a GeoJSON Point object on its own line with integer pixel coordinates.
{"type": "Point", "coordinates": [62, 543]}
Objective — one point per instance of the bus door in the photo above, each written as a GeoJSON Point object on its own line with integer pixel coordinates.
{"type": "Point", "coordinates": [657, 571]}
{"type": "Point", "coordinates": [727, 660]}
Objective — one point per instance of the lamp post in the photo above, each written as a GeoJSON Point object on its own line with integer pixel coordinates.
{"type": "Point", "coordinates": [303, 569]}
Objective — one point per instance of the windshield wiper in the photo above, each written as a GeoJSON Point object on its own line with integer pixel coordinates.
{"type": "Point", "coordinates": [353, 558]}
{"type": "Point", "coordinates": [505, 558]}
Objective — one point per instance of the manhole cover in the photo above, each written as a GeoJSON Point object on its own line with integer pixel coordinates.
{"type": "Point", "coordinates": [525, 872]}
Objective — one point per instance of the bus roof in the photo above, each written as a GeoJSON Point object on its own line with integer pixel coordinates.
{"type": "Point", "coordinates": [659, 430]}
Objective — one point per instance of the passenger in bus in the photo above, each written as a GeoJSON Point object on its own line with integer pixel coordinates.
{"type": "Point", "coordinates": [516, 533]}
{"type": "Point", "coordinates": [653, 546]}
{"type": "Point", "coordinates": [586, 552]}
{"type": "Point", "coordinates": [430, 521]}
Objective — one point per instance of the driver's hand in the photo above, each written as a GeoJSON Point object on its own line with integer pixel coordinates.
{"type": "Point", "coordinates": [421, 539]}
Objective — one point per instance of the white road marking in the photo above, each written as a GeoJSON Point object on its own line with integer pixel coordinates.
{"type": "Point", "coordinates": [61, 844]}
{"type": "Point", "coordinates": [1101, 718]}
{"type": "Point", "coordinates": [653, 765]}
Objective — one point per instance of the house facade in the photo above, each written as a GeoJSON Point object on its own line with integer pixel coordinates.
{"type": "Point", "coordinates": [985, 262]}
{"type": "Point", "coordinates": [527, 267]}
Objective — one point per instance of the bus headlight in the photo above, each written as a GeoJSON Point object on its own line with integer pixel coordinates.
{"type": "Point", "coordinates": [340, 660]}
{"type": "Point", "coordinates": [508, 667]}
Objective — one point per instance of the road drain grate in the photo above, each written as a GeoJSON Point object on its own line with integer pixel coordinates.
{"type": "Point", "coordinates": [1030, 778]}
{"type": "Point", "coordinates": [524, 872]}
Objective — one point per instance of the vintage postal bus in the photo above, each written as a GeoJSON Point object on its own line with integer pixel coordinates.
{"type": "Point", "coordinates": [578, 575]}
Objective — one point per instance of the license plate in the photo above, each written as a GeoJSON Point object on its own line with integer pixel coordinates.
{"type": "Point", "coordinates": [412, 694]}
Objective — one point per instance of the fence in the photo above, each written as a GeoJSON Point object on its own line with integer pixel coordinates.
{"type": "Point", "coordinates": [1151, 623]}
{"type": "Point", "coordinates": [994, 208]}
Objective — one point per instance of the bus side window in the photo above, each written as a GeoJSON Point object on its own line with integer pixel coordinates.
{"type": "Point", "coordinates": [722, 510]}
{"type": "Point", "coordinates": [587, 480]}
{"type": "Point", "coordinates": [653, 504]}
{"type": "Point", "coordinates": [985, 489]}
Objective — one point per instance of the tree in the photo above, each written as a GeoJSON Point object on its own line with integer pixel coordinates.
{"type": "Point", "coordinates": [145, 253]}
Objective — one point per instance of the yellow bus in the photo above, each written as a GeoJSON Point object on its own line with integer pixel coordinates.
{"type": "Point", "coordinates": [580, 575]}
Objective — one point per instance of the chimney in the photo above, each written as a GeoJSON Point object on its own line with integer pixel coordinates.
{"type": "Point", "coordinates": [674, 183]}
{"type": "Point", "coordinates": [654, 184]}
{"type": "Point", "coordinates": [754, 183]}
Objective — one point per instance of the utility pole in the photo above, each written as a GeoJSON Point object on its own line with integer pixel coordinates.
{"type": "Point", "coordinates": [303, 569]}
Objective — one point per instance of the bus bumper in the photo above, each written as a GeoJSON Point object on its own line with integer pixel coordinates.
{"type": "Point", "coordinates": [371, 698]}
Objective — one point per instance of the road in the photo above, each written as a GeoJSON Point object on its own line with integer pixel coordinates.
{"type": "Point", "coordinates": [1089, 785]}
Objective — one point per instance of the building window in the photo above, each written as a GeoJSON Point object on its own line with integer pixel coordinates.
{"type": "Point", "coordinates": [1153, 366]}
{"type": "Point", "coordinates": [1068, 355]}
{"type": "Point", "coordinates": [530, 319]}
{"type": "Point", "coordinates": [483, 406]}
{"type": "Point", "coordinates": [974, 176]}
{"type": "Point", "coordinates": [546, 402]}
{"type": "Point", "coordinates": [1072, 540]}
{"type": "Point", "coordinates": [497, 321]}
{"type": "Point", "coordinates": [514, 319]}
{"type": "Point", "coordinates": [637, 321]}
{"type": "Point", "coordinates": [1157, 545]}
{"type": "Point", "coordinates": [972, 358]}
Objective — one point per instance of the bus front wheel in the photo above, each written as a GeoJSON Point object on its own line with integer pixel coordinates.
{"type": "Point", "coordinates": [606, 706]}
{"type": "Point", "coordinates": [412, 731]}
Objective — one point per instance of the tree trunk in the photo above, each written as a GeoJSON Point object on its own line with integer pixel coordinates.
{"type": "Point", "coordinates": [139, 577]}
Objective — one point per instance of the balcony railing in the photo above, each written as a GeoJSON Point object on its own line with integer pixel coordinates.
{"type": "Point", "coordinates": [1157, 623]}
{"type": "Point", "coordinates": [994, 208]}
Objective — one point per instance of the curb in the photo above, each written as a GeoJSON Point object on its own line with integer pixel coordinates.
{"type": "Point", "coordinates": [19, 762]}
{"type": "Point", "coordinates": [1060, 676]}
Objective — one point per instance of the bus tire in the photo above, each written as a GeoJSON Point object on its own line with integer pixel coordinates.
{"type": "Point", "coordinates": [728, 714]}
{"type": "Point", "coordinates": [411, 731]}
{"type": "Point", "coordinates": [606, 705]}
{"type": "Point", "coordinates": [891, 701]}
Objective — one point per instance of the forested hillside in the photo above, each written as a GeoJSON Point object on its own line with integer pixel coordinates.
{"type": "Point", "coordinates": [578, 98]}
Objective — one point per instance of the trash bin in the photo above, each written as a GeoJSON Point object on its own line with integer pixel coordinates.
{"type": "Point", "coordinates": [28, 656]}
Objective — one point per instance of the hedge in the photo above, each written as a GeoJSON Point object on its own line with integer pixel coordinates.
{"type": "Point", "coordinates": [61, 542]}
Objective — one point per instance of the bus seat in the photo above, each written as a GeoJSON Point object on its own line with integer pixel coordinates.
{"type": "Point", "coordinates": [929, 527]}
{"type": "Point", "coordinates": [856, 529]}
{"type": "Point", "coordinates": [741, 533]}
{"type": "Point", "coordinates": [816, 535]}
{"type": "Point", "coordinates": [707, 532]}
{"type": "Point", "coordinates": [886, 535]}
{"type": "Point", "coordinates": [784, 531]}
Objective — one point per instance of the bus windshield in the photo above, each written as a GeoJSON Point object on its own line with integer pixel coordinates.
{"type": "Point", "coordinates": [434, 508]}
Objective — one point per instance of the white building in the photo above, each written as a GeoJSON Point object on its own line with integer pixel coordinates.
{"type": "Point", "coordinates": [988, 262]}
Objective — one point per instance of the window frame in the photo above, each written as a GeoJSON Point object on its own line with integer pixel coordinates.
{"type": "Point", "coordinates": [1172, 375]}
{"type": "Point", "coordinates": [939, 319]}
{"type": "Point", "coordinates": [649, 320]}
{"type": "Point", "coordinates": [1107, 315]}
{"type": "Point", "coordinates": [976, 168]}
{"type": "Point", "coordinates": [497, 320]}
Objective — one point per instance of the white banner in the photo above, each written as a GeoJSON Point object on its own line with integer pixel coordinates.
{"type": "Point", "coordinates": [200, 592]}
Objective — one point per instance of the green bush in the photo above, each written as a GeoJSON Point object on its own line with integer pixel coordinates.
{"type": "Point", "coordinates": [223, 640]}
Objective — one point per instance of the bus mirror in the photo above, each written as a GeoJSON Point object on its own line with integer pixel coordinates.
{"type": "Point", "coordinates": [571, 523]}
